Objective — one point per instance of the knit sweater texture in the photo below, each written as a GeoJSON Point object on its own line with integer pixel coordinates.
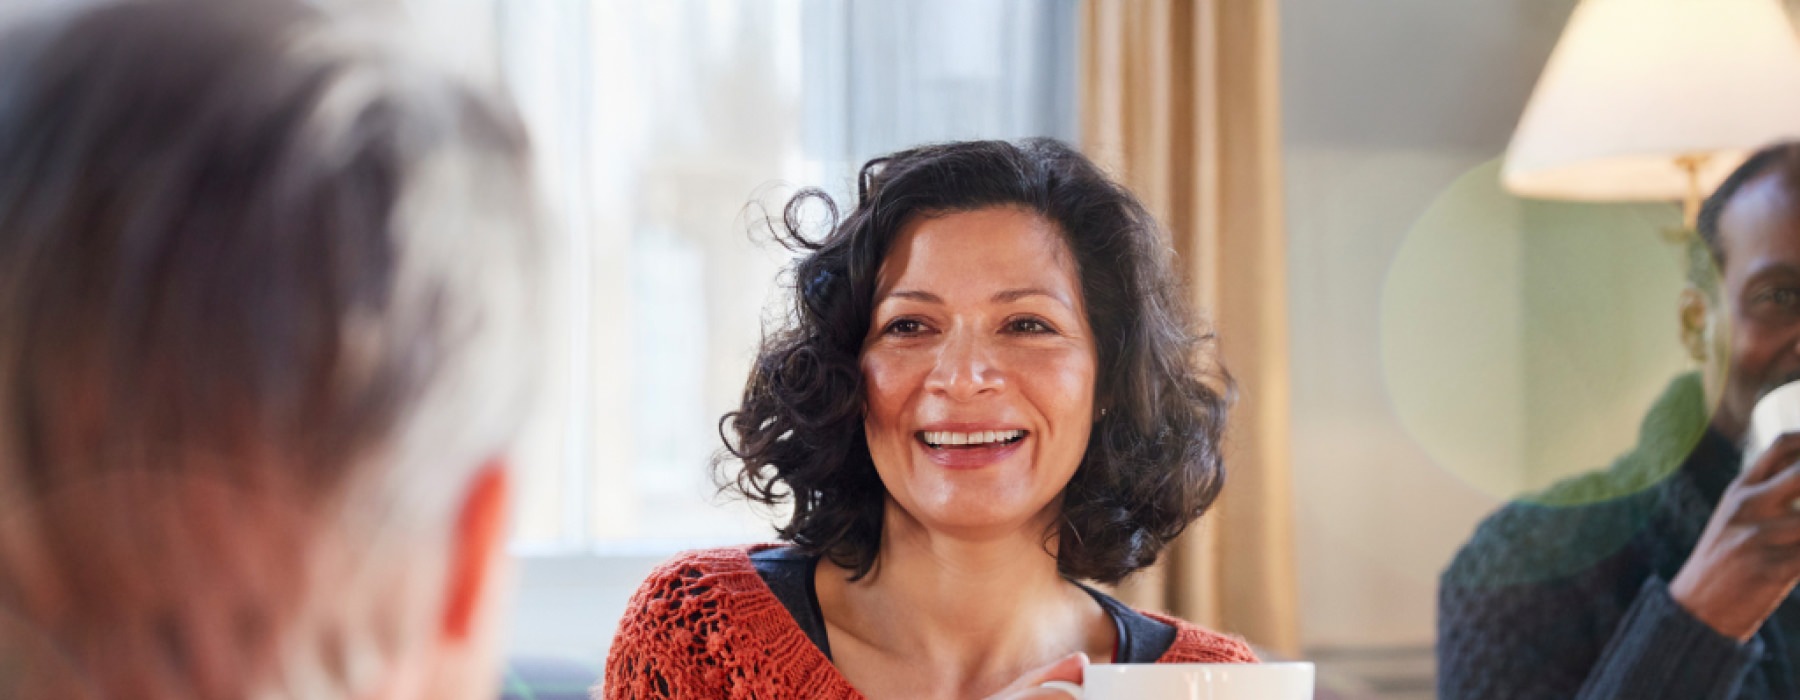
{"type": "Point", "coordinates": [704, 625]}
{"type": "Point", "coordinates": [1564, 594]}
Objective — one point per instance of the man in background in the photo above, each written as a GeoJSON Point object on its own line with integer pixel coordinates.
{"type": "Point", "coordinates": [266, 315]}
{"type": "Point", "coordinates": [1669, 574]}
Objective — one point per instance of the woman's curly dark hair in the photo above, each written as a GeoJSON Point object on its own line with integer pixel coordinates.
{"type": "Point", "coordinates": [1153, 463]}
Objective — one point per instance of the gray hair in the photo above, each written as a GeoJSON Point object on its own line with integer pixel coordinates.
{"type": "Point", "coordinates": [268, 301]}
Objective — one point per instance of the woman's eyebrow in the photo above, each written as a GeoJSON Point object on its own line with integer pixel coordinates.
{"type": "Point", "coordinates": [1002, 297]}
{"type": "Point", "coordinates": [915, 295]}
{"type": "Point", "coordinates": [1012, 295]}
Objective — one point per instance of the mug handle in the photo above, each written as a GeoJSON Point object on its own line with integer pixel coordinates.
{"type": "Point", "coordinates": [1065, 686]}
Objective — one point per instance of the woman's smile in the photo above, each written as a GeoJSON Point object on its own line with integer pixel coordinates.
{"type": "Point", "coordinates": [970, 445]}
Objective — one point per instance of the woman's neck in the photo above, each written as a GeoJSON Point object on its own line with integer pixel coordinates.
{"type": "Point", "coordinates": [967, 607]}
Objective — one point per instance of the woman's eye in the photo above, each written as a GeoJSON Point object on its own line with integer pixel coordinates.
{"type": "Point", "coordinates": [904, 326]}
{"type": "Point", "coordinates": [1029, 326]}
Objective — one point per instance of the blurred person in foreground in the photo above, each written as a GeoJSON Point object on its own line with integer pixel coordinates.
{"type": "Point", "coordinates": [265, 303]}
{"type": "Point", "coordinates": [988, 390]}
{"type": "Point", "coordinates": [1670, 574]}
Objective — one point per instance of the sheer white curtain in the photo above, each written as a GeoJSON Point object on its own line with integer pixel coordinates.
{"type": "Point", "coordinates": [655, 124]}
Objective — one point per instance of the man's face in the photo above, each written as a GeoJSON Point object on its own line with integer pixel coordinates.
{"type": "Point", "coordinates": [1759, 232]}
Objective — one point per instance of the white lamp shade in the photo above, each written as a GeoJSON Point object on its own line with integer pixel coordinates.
{"type": "Point", "coordinates": [1635, 84]}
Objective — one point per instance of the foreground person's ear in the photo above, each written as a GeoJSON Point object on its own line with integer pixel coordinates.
{"type": "Point", "coordinates": [479, 538]}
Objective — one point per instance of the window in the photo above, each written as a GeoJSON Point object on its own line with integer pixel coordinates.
{"type": "Point", "coordinates": [665, 131]}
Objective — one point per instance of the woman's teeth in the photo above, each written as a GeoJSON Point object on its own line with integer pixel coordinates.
{"type": "Point", "coordinates": [948, 439]}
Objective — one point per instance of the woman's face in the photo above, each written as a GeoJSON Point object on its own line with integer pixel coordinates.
{"type": "Point", "coordinates": [979, 366]}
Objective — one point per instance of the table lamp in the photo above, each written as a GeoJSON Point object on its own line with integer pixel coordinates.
{"type": "Point", "coordinates": [1656, 100]}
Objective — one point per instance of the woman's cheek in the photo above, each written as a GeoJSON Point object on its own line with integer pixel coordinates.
{"type": "Point", "coordinates": [886, 384]}
{"type": "Point", "coordinates": [1066, 378]}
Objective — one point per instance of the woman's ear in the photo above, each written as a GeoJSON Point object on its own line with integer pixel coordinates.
{"type": "Point", "coordinates": [1694, 310]}
{"type": "Point", "coordinates": [476, 544]}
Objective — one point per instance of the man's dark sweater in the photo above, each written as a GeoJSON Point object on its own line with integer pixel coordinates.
{"type": "Point", "coordinates": [1565, 594]}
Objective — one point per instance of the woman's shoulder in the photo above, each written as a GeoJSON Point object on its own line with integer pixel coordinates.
{"type": "Point", "coordinates": [722, 577]}
{"type": "Point", "coordinates": [700, 563]}
{"type": "Point", "coordinates": [1198, 645]}
{"type": "Point", "coordinates": [704, 621]}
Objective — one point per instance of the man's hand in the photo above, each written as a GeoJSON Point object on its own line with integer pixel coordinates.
{"type": "Point", "coordinates": [1068, 669]}
{"type": "Point", "coordinates": [1748, 559]}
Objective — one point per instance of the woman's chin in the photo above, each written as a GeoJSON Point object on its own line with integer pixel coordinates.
{"type": "Point", "coordinates": [975, 504]}
{"type": "Point", "coordinates": [977, 516]}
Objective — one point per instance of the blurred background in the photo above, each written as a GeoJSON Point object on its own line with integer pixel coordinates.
{"type": "Point", "coordinates": [1416, 345]}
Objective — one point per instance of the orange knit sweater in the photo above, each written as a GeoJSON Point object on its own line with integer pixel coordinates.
{"type": "Point", "coordinates": [704, 625]}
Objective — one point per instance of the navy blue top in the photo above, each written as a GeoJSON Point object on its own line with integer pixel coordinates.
{"type": "Point", "coordinates": [789, 573]}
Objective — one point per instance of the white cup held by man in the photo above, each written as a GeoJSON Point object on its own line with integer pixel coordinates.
{"type": "Point", "coordinates": [1776, 413]}
{"type": "Point", "coordinates": [1271, 681]}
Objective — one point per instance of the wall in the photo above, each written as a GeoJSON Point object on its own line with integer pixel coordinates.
{"type": "Point", "coordinates": [1452, 346]}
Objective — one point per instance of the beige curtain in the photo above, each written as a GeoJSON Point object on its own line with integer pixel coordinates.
{"type": "Point", "coordinates": [1181, 102]}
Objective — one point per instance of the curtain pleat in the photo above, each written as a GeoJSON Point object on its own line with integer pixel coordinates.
{"type": "Point", "coordinates": [1181, 102]}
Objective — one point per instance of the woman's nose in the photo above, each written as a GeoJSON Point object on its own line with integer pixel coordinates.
{"type": "Point", "coordinates": [965, 368]}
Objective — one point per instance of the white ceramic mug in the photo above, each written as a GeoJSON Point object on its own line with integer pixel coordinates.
{"type": "Point", "coordinates": [1273, 681]}
{"type": "Point", "coordinates": [1776, 413]}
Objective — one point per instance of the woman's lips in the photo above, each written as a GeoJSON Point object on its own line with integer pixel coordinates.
{"type": "Point", "coordinates": [996, 445]}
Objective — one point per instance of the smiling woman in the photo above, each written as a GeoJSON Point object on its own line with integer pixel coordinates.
{"type": "Point", "coordinates": [978, 373]}
{"type": "Point", "coordinates": [989, 390]}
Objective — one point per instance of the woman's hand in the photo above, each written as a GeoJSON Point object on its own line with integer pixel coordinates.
{"type": "Point", "coordinates": [1749, 557]}
{"type": "Point", "coordinates": [1068, 669]}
